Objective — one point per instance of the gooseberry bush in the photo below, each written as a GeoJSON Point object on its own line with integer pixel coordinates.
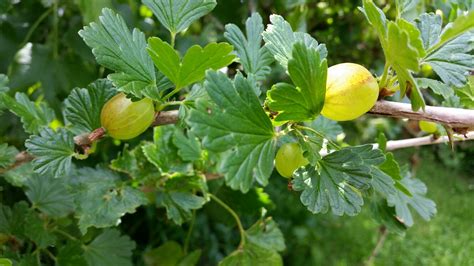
{"type": "Point", "coordinates": [214, 128]}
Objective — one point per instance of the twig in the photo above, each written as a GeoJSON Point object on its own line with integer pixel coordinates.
{"type": "Point", "coordinates": [382, 237]}
{"type": "Point", "coordinates": [236, 217]}
{"type": "Point", "coordinates": [427, 140]}
{"type": "Point", "coordinates": [452, 117]}
{"type": "Point", "coordinates": [166, 118]}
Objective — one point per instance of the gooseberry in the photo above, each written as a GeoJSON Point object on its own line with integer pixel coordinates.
{"type": "Point", "coordinates": [428, 127]}
{"type": "Point", "coordinates": [124, 119]}
{"type": "Point", "coordinates": [351, 91]}
{"type": "Point", "coordinates": [289, 158]}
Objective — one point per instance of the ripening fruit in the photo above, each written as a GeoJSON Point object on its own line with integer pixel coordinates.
{"type": "Point", "coordinates": [351, 91]}
{"type": "Point", "coordinates": [124, 119]}
{"type": "Point", "coordinates": [289, 158]}
{"type": "Point", "coordinates": [428, 127]}
{"type": "Point", "coordinates": [426, 70]}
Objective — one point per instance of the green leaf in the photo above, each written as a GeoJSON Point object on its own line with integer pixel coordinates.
{"type": "Point", "coordinates": [189, 148]}
{"type": "Point", "coordinates": [179, 197]}
{"type": "Point", "coordinates": [161, 153]}
{"type": "Point", "coordinates": [435, 86]}
{"type": "Point", "coordinates": [71, 254]}
{"type": "Point", "coordinates": [322, 191]}
{"type": "Point", "coordinates": [83, 106]}
{"type": "Point", "coordinates": [194, 64]}
{"type": "Point", "coordinates": [337, 182]}
{"type": "Point", "coordinates": [430, 29]}
{"type": "Point", "coordinates": [12, 220]}
{"type": "Point", "coordinates": [250, 255]}
{"type": "Point", "coordinates": [102, 199]}
{"type": "Point", "coordinates": [170, 254]}
{"type": "Point", "coordinates": [34, 116]}
{"type": "Point", "coordinates": [134, 163]}
{"type": "Point", "coordinates": [385, 215]}
{"type": "Point", "coordinates": [19, 175]}
{"type": "Point", "coordinates": [266, 234]}
{"type": "Point", "coordinates": [414, 36]}
{"type": "Point", "coordinates": [376, 18]}
{"type": "Point", "coordinates": [3, 84]}
{"type": "Point", "coordinates": [254, 58]}
{"type": "Point", "coordinates": [327, 127]}
{"type": "Point", "coordinates": [167, 254]}
{"type": "Point", "coordinates": [403, 48]}
{"type": "Point", "coordinates": [426, 208]}
{"type": "Point", "coordinates": [7, 155]}
{"type": "Point", "coordinates": [453, 61]}
{"type": "Point", "coordinates": [115, 48]}
{"type": "Point", "coordinates": [382, 182]}
{"type": "Point", "coordinates": [311, 144]}
{"type": "Point", "coordinates": [304, 102]}
{"type": "Point", "coordinates": [280, 39]}
{"type": "Point", "coordinates": [402, 52]}
{"type": "Point", "coordinates": [409, 9]}
{"type": "Point", "coordinates": [37, 230]}
{"type": "Point", "coordinates": [109, 248]}
{"type": "Point", "coordinates": [466, 94]}
{"type": "Point", "coordinates": [236, 124]}
{"type": "Point", "coordinates": [53, 151]}
{"type": "Point", "coordinates": [461, 25]}
{"type": "Point", "coordinates": [90, 10]}
{"type": "Point", "coordinates": [177, 15]}
{"type": "Point", "coordinates": [49, 195]}
{"type": "Point", "coordinates": [391, 167]}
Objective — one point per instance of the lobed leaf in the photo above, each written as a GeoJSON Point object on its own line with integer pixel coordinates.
{"type": "Point", "coordinates": [426, 208]}
{"type": "Point", "coordinates": [235, 123]}
{"type": "Point", "coordinates": [254, 58]}
{"type": "Point", "coordinates": [194, 64]}
{"type": "Point", "coordinates": [34, 116]}
{"type": "Point", "coordinates": [53, 151]}
{"type": "Point", "coordinates": [280, 39]}
{"type": "Point", "coordinates": [109, 248]}
{"type": "Point", "coordinates": [50, 195]}
{"type": "Point", "coordinates": [102, 199]}
{"type": "Point", "coordinates": [116, 48]}
{"type": "Point", "coordinates": [82, 107]}
{"type": "Point", "coordinates": [7, 155]}
{"type": "Point", "coordinates": [337, 182]}
{"type": "Point", "coordinates": [177, 15]}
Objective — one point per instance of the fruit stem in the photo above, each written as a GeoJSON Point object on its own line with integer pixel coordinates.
{"type": "Point", "coordinates": [173, 92]}
{"type": "Point", "coordinates": [173, 37]}
{"type": "Point", "coordinates": [236, 217]}
{"type": "Point", "coordinates": [383, 79]}
{"type": "Point", "coordinates": [319, 134]}
{"type": "Point", "coordinates": [166, 104]}
{"type": "Point", "coordinates": [188, 235]}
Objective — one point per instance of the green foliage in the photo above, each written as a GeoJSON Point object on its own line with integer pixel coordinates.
{"type": "Point", "coordinates": [49, 195]}
{"type": "Point", "coordinates": [76, 198]}
{"type": "Point", "coordinates": [254, 58]}
{"type": "Point", "coordinates": [109, 248]}
{"type": "Point", "coordinates": [116, 48]}
{"type": "Point", "coordinates": [192, 68]}
{"type": "Point", "coordinates": [7, 155]}
{"type": "Point", "coordinates": [53, 151]}
{"type": "Point", "coordinates": [102, 199]}
{"type": "Point", "coordinates": [305, 100]}
{"type": "Point", "coordinates": [236, 124]}
{"type": "Point", "coordinates": [83, 106]}
{"type": "Point", "coordinates": [177, 15]}
{"type": "Point", "coordinates": [402, 47]}
{"type": "Point", "coordinates": [34, 117]}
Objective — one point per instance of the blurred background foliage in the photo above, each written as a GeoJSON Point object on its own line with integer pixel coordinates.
{"type": "Point", "coordinates": [43, 55]}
